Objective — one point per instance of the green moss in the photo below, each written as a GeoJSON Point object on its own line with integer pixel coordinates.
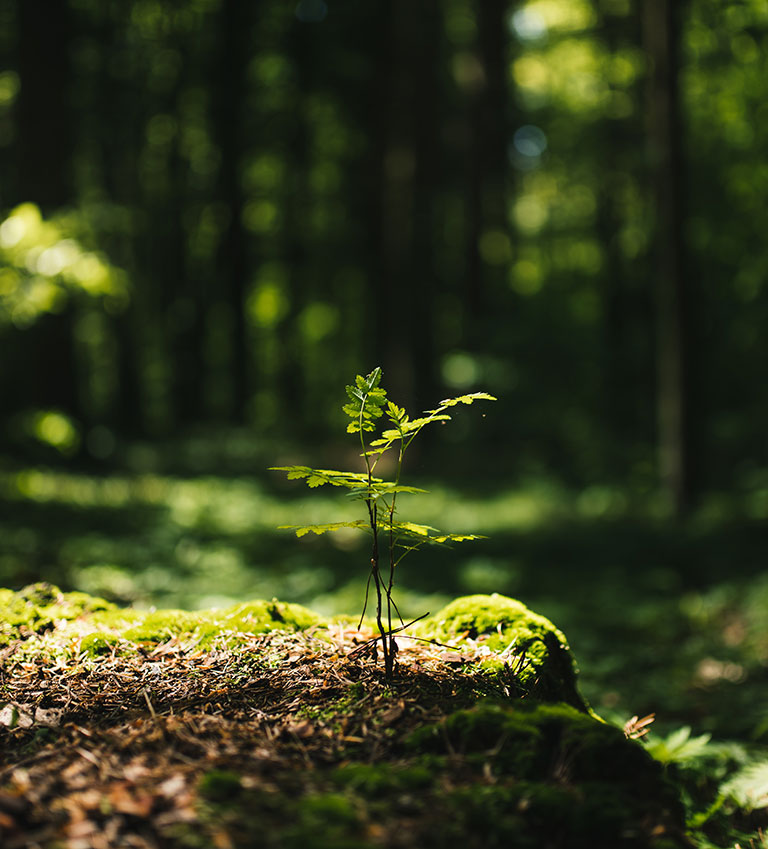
{"type": "Point", "coordinates": [527, 740]}
{"type": "Point", "coordinates": [158, 626]}
{"type": "Point", "coordinates": [547, 774]}
{"type": "Point", "coordinates": [219, 785]}
{"type": "Point", "coordinates": [44, 612]}
{"type": "Point", "coordinates": [372, 780]}
{"type": "Point", "coordinates": [263, 616]}
{"type": "Point", "coordinates": [532, 646]}
{"type": "Point", "coordinates": [510, 735]}
{"type": "Point", "coordinates": [38, 607]}
{"type": "Point", "coordinates": [97, 643]}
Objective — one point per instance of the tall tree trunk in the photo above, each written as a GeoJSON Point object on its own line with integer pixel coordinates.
{"type": "Point", "coordinates": [295, 248]}
{"type": "Point", "coordinates": [490, 157]}
{"type": "Point", "coordinates": [235, 44]}
{"type": "Point", "coordinates": [665, 147]}
{"type": "Point", "coordinates": [425, 55]}
{"type": "Point", "coordinates": [43, 176]}
{"type": "Point", "coordinates": [43, 110]}
{"type": "Point", "coordinates": [485, 84]}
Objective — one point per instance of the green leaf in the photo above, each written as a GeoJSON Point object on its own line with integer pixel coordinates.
{"type": "Point", "coordinates": [409, 427]}
{"type": "Point", "coordinates": [367, 399]}
{"type": "Point", "coordinates": [465, 399]}
{"type": "Point", "coordinates": [749, 787]}
{"type": "Point", "coordinates": [457, 537]}
{"type": "Point", "coordinates": [302, 530]}
{"type": "Point", "coordinates": [386, 487]}
{"type": "Point", "coordinates": [421, 534]}
{"type": "Point", "coordinates": [319, 477]}
{"type": "Point", "coordinates": [417, 424]}
{"type": "Point", "coordinates": [678, 746]}
{"type": "Point", "coordinates": [412, 528]}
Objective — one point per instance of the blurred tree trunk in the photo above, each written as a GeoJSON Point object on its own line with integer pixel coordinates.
{"type": "Point", "coordinates": [665, 149]}
{"type": "Point", "coordinates": [486, 79]}
{"type": "Point", "coordinates": [425, 52]}
{"type": "Point", "coordinates": [44, 109]}
{"type": "Point", "coordinates": [295, 250]}
{"type": "Point", "coordinates": [232, 266]}
{"type": "Point", "coordinates": [43, 157]}
{"type": "Point", "coordinates": [113, 124]}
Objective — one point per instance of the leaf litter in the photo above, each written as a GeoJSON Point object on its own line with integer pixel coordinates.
{"type": "Point", "coordinates": [111, 750]}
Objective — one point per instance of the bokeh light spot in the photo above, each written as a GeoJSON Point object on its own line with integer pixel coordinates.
{"type": "Point", "coordinates": [526, 277]}
{"type": "Point", "coordinates": [460, 370]}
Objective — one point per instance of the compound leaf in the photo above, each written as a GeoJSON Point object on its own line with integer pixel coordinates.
{"type": "Point", "coordinates": [319, 477]}
{"type": "Point", "coordinates": [463, 399]}
{"type": "Point", "coordinates": [302, 530]}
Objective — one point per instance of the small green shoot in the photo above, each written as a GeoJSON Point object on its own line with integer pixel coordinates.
{"type": "Point", "coordinates": [366, 407]}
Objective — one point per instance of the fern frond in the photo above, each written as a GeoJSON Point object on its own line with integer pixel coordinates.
{"type": "Point", "coordinates": [749, 787]}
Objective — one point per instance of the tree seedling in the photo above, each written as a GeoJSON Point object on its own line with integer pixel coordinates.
{"type": "Point", "coordinates": [391, 539]}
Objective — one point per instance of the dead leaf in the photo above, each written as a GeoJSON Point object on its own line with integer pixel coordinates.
{"type": "Point", "coordinates": [636, 728]}
{"type": "Point", "coordinates": [125, 799]}
{"type": "Point", "coordinates": [172, 786]}
{"type": "Point", "coordinates": [17, 716]}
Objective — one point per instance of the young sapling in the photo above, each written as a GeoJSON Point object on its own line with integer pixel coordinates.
{"type": "Point", "coordinates": [391, 539]}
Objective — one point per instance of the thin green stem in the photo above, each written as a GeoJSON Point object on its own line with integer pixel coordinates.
{"type": "Point", "coordinates": [392, 541]}
{"type": "Point", "coordinates": [373, 520]}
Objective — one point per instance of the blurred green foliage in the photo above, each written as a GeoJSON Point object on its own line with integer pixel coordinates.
{"type": "Point", "coordinates": [275, 182]}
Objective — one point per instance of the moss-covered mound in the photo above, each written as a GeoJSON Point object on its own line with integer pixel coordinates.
{"type": "Point", "coordinates": [509, 633]}
{"type": "Point", "coordinates": [43, 615]}
{"type": "Point", "coordinates": [263, 724]}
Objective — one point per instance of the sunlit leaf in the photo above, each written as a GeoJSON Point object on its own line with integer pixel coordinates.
{"type": "Point", "coordinates": [302, 530]}
{"type": "Point", "coordinates": [366, 402]}
{"type": "Point", "coordinates": [319, 477]}
{"type": "Point", "coordinates": [678, 746]}
{"type": "Point", "coordinates": [749, 787]}
{"type": "Point", "coordinates": [463, 399]}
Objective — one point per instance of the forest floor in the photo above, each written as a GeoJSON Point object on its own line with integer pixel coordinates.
{"type": "Point", "coordinates": [138, 750]}
{"type": "Point", "coordinates": [295, 739]}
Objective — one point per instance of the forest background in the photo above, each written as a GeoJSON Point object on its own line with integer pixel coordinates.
{"type": "Point", "coordinates": [216, 213]}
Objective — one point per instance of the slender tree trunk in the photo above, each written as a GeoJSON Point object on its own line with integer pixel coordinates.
{"type": "Point", "coordinates": [662, 39]}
